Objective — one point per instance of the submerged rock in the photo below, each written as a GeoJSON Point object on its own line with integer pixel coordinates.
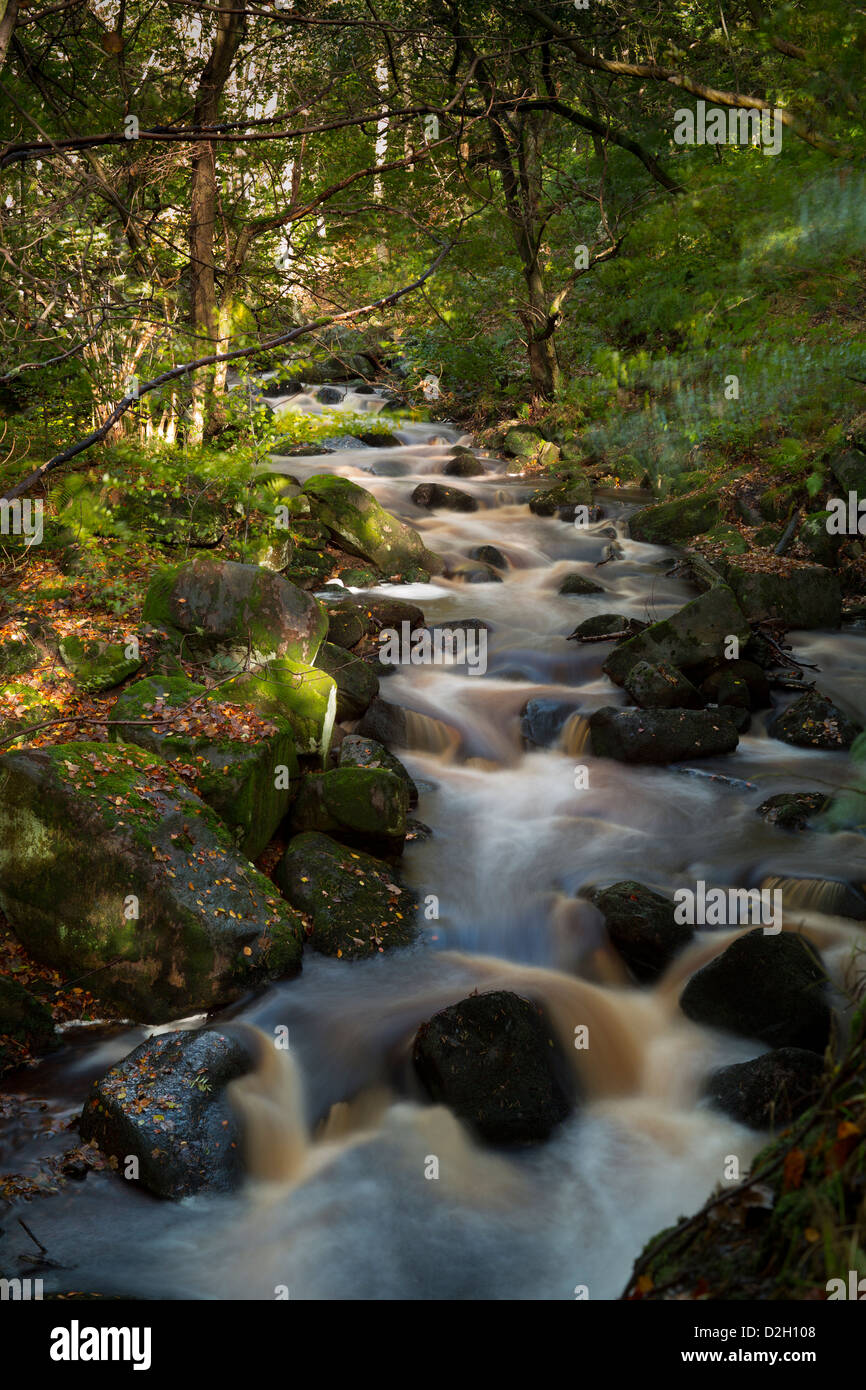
{"type": "Point", "coordinates": [166, 1106]}
{"type": "Point", "coordinates": [495, 1061]}
{"type": "Point", "coordinates": [765, 986]}
{"type": "Point", "coordinates": [434, 495]}
{"type": "Point", "coordinates": [769, 1091]}
{"type": "Point", "coordinates": [641, 926]}
{"type": "Point", "coordinates": [355, 905]}
{"type": "Point", "coordinates": [813, 721]}
{"type": "Point", "coordinates": [110, 864]}
{"type": "Point", "coordinates": [660, 736]}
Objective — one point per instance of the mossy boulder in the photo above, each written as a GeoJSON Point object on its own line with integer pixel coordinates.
{"type": "Point", "coordinates": [244, 765]}
{"type": "Point", "coordinates": [661, 687]}
{"type": "Point", "coordinates": [668, 523]}
{"type": "Point", "coordinates": [641, 926]}
{"type": "Point", "coordinates": [110, 864]}
{"type": "Point", "coordinates": [354, 904]}
{"type": "Point", "coordinates": [363, 806]}
{"type": "Point", "coordinates": [356, 751]}
{"type": "Point", "coordinates": [346, 622]}
{"type": "Point", "coordinates": [526, 444]}
{"type": "Point", "coordinates": [270, 547]}
{"type": "Point", "coordinates": [464, 464]}
{"type": "Point", "coordinates": [96, 665]}
{"type": "Point", "coordinates": [801, 596]}
{"type": "Point", "coordinates": [496, 1062]}
{"type": "Point", "coordinates": [697, 632]}
{"type": "Point", "coordinates": [562, 500]}
{"type": "Point", "coordinates": [23, 707]}
{"type": "Point", "coordinates": [813, 721]}
{"type": "Point", "coordinates": [660, 735]}
{"type": "Point", "coordinates": [305, 696]}
{"type": "Point", "coordinates": [166, 1105]}
{"type": "Point", "coordinates": [818, 541]}
{"type": "Point", "coordinates": [792, 810]}
{"type": "Point", "coordinates": [764, 986]}
{"type": "Point", "coordinates": [26, 1024]}
{"type": "Point", "coordinates": [356, 680]}
{"type": "Point", "coordinates": [361, 526]}
{"type": "Point", "coordinates": [235, 615]}
{"type": "Point", "coordinates": [849, 469]}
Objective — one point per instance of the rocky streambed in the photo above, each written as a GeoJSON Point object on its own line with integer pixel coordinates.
{"type": "Point", "coordinates": [554, 910]}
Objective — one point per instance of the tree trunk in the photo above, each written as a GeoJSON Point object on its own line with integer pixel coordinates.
{"type": "Point", "coordinates": [204, 318]}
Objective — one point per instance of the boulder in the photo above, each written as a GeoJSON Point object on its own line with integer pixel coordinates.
{"type": "Point", "coordinates": [356, 680]}
{"type": "Point", "coordinates": [379, 439]}
{"type": "Point", "coordinates": [849, 469]}
{"type": "Point", "coordinates": [363, 806]}
{"type": "Point", "coordinates": [641, 927]}
{"type": "Point", "coordinates": [728, 677]}
{"type": "Point", "coordinates": [801, 596]}
{"type": "Point", "coordinates": [303, 695]}
{"type": "Point", "coordinates": [244, 764]}
{"type": "Point", "coordinates": [356, 751]}
{"type": "Point", "coordinates": [166, 1105]}
{"type": "Point", "coordinates": [525, 443]}
{"type": "Point", "coordinates": [386, 723]}
{"type": "Point", "coordinates": [660, 736]}
{"type": "Point", "coordinates": [464, 465]}
{"type": "Point", "coordinates": [26, 1024]}
{"type": "Point", "coordinates": [667, 523]}
{"type": "Point", "coordinates": [362, 527]}
{"type": "Point", "coordinates": [813, 721]}
{"type": "Point", "coordinates": [235, 615]}
{"type": "Point", "coordinates": [356, 908]}
{"type": "Point", "coordinates": [695, 633]}
{"type": "Point", "coordinates": [110, 864]}
{"type": "Point", "coordinates": [562, 500]}
{"type": "Point", "coordinates": [770, 1091]}
{"type": "Point", "coordinates": [612, 625]}
{"type": "Point", "coordinates": [764, 986]}
{"type": "Point", "coordinates": [494, 1060]}
{"type": "Point", "coordinates": [433, 495]}
{"type": "Point", "coordinates": [579, 584]}
{"type": "Point", "coordinates": [346, 622]}
{"type": "Point", "coordinates": [97, 665]}
{"type": "Point", "coordinates": [661, 687]}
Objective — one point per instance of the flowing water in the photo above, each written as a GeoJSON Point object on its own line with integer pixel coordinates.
{"type": "Point", "coordinates": [337, 1205]}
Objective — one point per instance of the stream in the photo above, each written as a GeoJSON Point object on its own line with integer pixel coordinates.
{"type": "Point", "coordinates": [337, 1205]}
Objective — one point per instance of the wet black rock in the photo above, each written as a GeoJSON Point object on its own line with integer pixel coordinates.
{"type": "Point", "coordinates": [464, 465]}
{"type": "Point", "coordinates": [579, 584]}
{"type": "Point", "coordinates": [435, 495]}
{"type": "Point", "coordinates": [769, 1091]}
{"type": "Point", "coordinates": [379, 439]}
{"type": "Point", "coordinates": [489, 555]}
{"type": "Point", "coordinates": [792, 810]}
{"type": "Point", "coordinates": [660, 736]}
{"type": "Point", "coordinates": [641, 926]}
{"type": "Point", "coordinates": [813, 721]}
{"type": "Point", "coordinates": [384, 722]}
{"type": "Point", "coordinates": [165, 1105]}
{"type": "Point", "coordinates": [766, 986]}
{"type": "Point", "coordinates": [494, 1060]}
{"type": "Point", "coordinates": [543, 720]}
{"type": "Point", "coordinates": [612, 625]}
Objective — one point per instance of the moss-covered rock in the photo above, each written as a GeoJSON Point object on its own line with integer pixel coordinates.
{"type": "Point", "coordinates": [661, 687]}
{"type": "Point", "coordinates": [110, 864]}
{"type": "Point", "coordinates": [244, 765]}
{"type": "Point", "coordinates": [356, 907]}
{"type": "Point", "coordinates": [792, 810]}
{"type": "Point", "coordinates": [526, 444]}
{"type": "Point", "coordinates": [235, 614]}
{"type": "Point", "coordinates": [667, 523]}
{"type": "Point", "coordinates": [818, 541]}
{"type": "Point", "coordinates": [26, 1024]}
{"type": "Point", "coordinates": [346, 622]}
{"type": "Point", "coordinates": [303, 695]}
{"type": "Point", "coordinates": [361, 526]}
{"type": "Point", "coordinates": [97, 665]}
{"type": "Point", "coordinates": [356, 751]}
{"type": "Point", "coordinates": [363, 806]}
{"type": "Point", "coordinates": [801, 596]}
{"type": "Point", "coordinates": [356, 680]}
{"type": "Point", "coordinates": [562, 499]}
{"type": "Point", "coordinates": [849, 469]}
{"type": "Point", "coordinates": [696, 633]}
{"type": "Point", "coordinates": [23, 707]}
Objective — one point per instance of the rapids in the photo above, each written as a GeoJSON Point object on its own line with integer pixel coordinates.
{"type": "Point", "coordinates": [337, 1205]}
